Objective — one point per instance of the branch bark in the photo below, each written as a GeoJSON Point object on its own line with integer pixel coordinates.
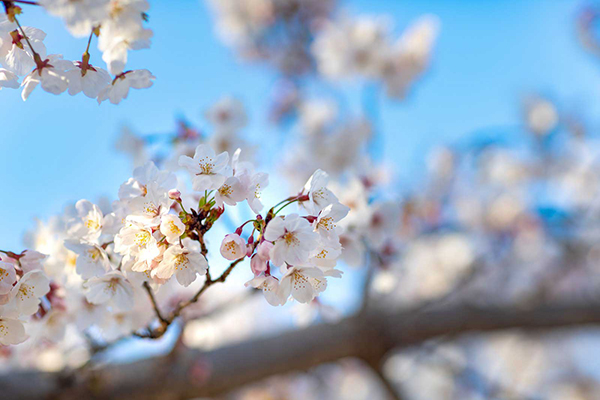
{"type": "Point", "coordinates": [368, 336]}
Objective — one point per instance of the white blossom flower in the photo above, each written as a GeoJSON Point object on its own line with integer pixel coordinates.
{"type": "Point", "coordinates": [12, 331]}
{"type": "Point", "coordinates": [80, 16]}
{"type": "Point", "coordinates": [15, 53]}
{"type": "Point", "coordinates": [208, 170]}
{"type": "Point", "coordinates": [186, 262]}
{"type": "Point", "coordinates": [112, 289]}
{"type": "Point", "coordinates": [89, 81]}
{"type": "Point", "coordinates": [293, 240]}
{"type": "Point", "coordinates": [258, 182]}
{"type": "Point", "coordinates": [32, 260]}
{"type": "Point", "coordinates": [143, 176]}
{"type": "Point", "coordinates": [92, 259]}
{"type": "Point", "coordinates": [50, 74]}
{"type": "Point", "coordinates": [233, 247]}
{"type": "Point", "coordinates": [319, 196]}
{"type": "Point", "coordinates": [350, 47]}
{"type": "Point", "coordinates": [259, 261]}
{"type": "Point", "coordinates": [172, 227]}
{"type": "Point", "coordinates": [409, 56]}
{"type": "Point", "coordinates": [8, 79]}
{"type": "Point", "coordinates": [137, 240]}
{"type": "Point", "coordinates": [230, 192]}
{"type": "Point", "coordinates": [8, 277]}
{"type": "Point", "coordinates": [88, 223]}
{"type": "Point", "coordinates": [326, 222]}
{"type": "Point", "coordinates": [118, 37]}
{"type": "Point", "coordinates": [119, 88]}
{"type": "Point", "coordinates": [149, 208]}
{"type": "Point", "coordinates": [27, 292]}
{"type": "Point", "coordinates": [269, 286]}
{"type": "Point", "coordinates": [325, 255]}
{"type": "Point", "coordinates": [299, 282]}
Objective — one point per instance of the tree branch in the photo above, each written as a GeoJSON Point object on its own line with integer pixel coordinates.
{"type": "Point", "coordinates": [368, 336]}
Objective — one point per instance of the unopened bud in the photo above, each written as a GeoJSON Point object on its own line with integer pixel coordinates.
{"type": "Point", "coordinates": [175, 194]}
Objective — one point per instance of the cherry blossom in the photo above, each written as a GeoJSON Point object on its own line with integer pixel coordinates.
{"type": "Point", "coordinates": [50, 74]}
{"type": "Point", "coordinates": [8, 277]}
{"type": "Point", "coordinates": [88, 223]}
{"type": "Point", "coordinates": [8, 79]}
{"type": "Point", "coordinates": [150, 207]}
{"type": "Point", "coordinates": [172, 227]}
{"type": "Point", "coordinates": [326, 222]}
{"type": "Point", "coordinates": [293, 239]}
{"type": "Point", "coordinates": [92, 260]}
{"type": "Point", "coordinates": [302, 283]}
{"type": "Point", "coordinates": [184, 261]}
{"type": "Point", "coordinates": [208, 169]}
{"type": "Point", "coordinates": [12, 331]}
{"type": "Point", "coordinates": [259, 262]}
{"type": "Point", "coordinates": [89, 79]}
{"type": "Point", "coordinates": [27, 292]}
{"type": "Point", "coordinates": [319, 196]}
{"type": "Point", "coordinates": [31, 260]}
{"type": "Point", "coordinates": [269, 286]}
{"type": "Point", "coordinates": [80, 16]}
{"type": "Point", "coordinates": [119, 88]}
{"type": "Point", "coordinates": [111, 288]}
{"type": "Point", "coordinates": [231, 192]}
{"type": "Point", "coordinates": [15, 54]}
{"type": "Point", "coordinates": [233, 247]}
{"type": "Point", "coordinates": [258, 183]}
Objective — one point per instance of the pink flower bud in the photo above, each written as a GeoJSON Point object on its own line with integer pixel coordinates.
{"type": "Point", "coordinates": [257, 264]}
{"type": "Point", "coordinates": [264, 249]}
{"type": "Point", "coordinates": [233, 247]}
{"type": "Point", "coordinates": [174, 194]}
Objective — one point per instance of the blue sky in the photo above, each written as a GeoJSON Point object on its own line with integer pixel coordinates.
{"type": "Point", "coordinates": [57, 149]}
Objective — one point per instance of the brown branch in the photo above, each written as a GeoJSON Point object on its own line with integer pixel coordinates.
{"type": "Point", "coordinates": [368, 336]}
{"type": "Point", "coordinates": [158, 332]}
{"type": "Point", "coordinates": [208, 283]}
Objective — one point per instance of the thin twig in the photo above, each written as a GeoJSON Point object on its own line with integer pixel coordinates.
{"type": "Point", "coordinates": [154, 304]}
{"type": "Point", "coordinates": [208, 283]}
{"type": "Point", "coordinates": [36, 56]}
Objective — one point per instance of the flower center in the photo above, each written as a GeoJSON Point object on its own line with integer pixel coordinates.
{"type": "Point", "coordinates": [94, 254]}
{"type": "Point", "coordinates": [172, 227]}
{"type": "Point", "coordinates": [225, 190]}
{"type": "Point", "coordinates": [326, 223]}
{"type": "Point", "coordinates": [291, 239]}
{"type": "Point", "coordinates": [142, 238]}
{"type": "Point", "coordinates": [207, 166]}
{"type": "Point", "coordinates": [92, 224]}
{"type": "Point", "coordinates": [181, 261]}
{"type": "Point", "coordinates": [151, 208]}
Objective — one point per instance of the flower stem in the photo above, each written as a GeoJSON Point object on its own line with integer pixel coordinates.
{"type": "Point", "coordinates": [36, 56]}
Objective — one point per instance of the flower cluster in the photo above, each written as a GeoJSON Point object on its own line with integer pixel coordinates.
{"type": "Point", "coordinates": [121, 267]}
{"type": "Point", "coordinates": [278, 32]}
{"type": "Point", "coordinates": [23, 284]}
{"type": "Point", "coordinates": [361, 48]}
{"type": "Point", "coordinates": [304, 248]}
{"type": "Point", "coordinates": [119, 26]}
